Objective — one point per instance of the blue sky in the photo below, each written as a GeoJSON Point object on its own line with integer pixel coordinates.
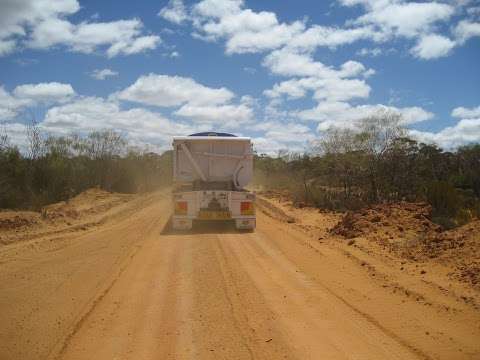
{"type": "Point", "coordinates": [281, 72]}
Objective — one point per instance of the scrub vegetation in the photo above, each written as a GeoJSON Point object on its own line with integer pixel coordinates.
{"type": "Point", "coordinates": [348, 170]}
{"type": "Point", "coordinates": [53, 169]}
{"type": "Point", "coordinates": [344, 170]}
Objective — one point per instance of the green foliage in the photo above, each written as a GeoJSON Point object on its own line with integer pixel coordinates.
{"type": "Point", "coordinates": [348, 170]}
{"type": "Point", "coordinates": [444, 199]}
{"type": "Point", "coordinates": [57, 168]}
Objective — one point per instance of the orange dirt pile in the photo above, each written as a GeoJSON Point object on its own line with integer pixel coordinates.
{"type": "Point", "coordinates": [11, 220]}
{"type": "Point", "coordinates": [405, 229]}
{"type": "Point", "coordinates": [81, 209]}
{"type": "Point", "coordinates": [91, 201]}
{"type": "Point", "coordinates": [389, 221]}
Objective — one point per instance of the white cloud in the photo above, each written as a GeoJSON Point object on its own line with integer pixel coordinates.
{"type": "Point", "coordinates": [285, 132]}
{"type": "Point", "coordinates": [9, 105]}
{"type": "Point", "coordinates": [174, 12]}
{"type": "Point", "coordinates": [42, 24]}
{"type": "Point", "coordinates": [217, 8]}
{"type": "Point", "coordinates": [464, 132]}
{"type": "Point", "coordinates": [6, 46]}
{"type": "Point", "coordinates": [415, 114]}
{"type": "Point", "coordinates": [278, 135]}
{"type": "Point", "coordinates": [199, 103]}
{"type": "Point", "coordinates": [465, 30]}
{"type": "Point", "coordinates": [90, 113]}
{"type": "Point", "coordinates": [374, 52]}
{"type": "Point", "coordinates": [465, 113]}
{"type": "Point", "coordinates": [27, 95]}
{"type": "Point", "coordinates": [164, 90]}
{"type": "Point", "coordinates": [17, 134]}
{"type": "Point", "coordinates": [325, 82]}
{"type": "Point", "coordinates": [103, 74]}
{"type": "Point", "coordinates": [228, 116]}
{"type": "Point", "coordinates": [433, 46]}
{"type": "Point", "coordinates": [343, 115]}
{"type": "Point", "coordinates": [16, 14]}
{"type": "Point", "coordinates": [133, 46]}
{"type": "Point", "coordinates": [286, 62]}
{"type": "Point", "coordinates": [332, 37]}
{"type": "Point", "coordinates": [44, 92]}
{"type": "Point", "coordinates": [408, 19]}
{"type": "Point", "coordinates": [118, 37]}
{"type": "Point", "coordinates": [332, 89]}
{"type": "Point", "coordinates": [247, 31]}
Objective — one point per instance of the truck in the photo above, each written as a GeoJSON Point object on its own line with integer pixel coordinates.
{"type": "Point", "coordinates": [210, 173]}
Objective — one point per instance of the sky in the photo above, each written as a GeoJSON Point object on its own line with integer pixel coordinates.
{"type": "Point", "coordinates": [281, 72]}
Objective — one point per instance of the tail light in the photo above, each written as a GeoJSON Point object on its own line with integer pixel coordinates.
{"type": "Point", "coordinates": [247, 208]}
{"type": "Point", "coordinates": [181, 208]}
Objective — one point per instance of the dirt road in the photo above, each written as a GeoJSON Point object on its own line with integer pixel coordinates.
{"type": "Point", "coordinates": [127, 289]}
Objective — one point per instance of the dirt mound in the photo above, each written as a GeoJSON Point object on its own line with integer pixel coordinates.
{"type": "Point", "coordinates": [82, 210]}
{"type": "Point", "coordinates": [405, 229]}
{"type": "Point", "coordinates": [387, 220]}
{"type": "Point", "coordinates": [14, 220]}
{"type": "Point", "coordinates": [91, 201]}
{"type": "Point", "coordinates": [461, 247]}
{"type": "Point", "coordinates": [274, 211]}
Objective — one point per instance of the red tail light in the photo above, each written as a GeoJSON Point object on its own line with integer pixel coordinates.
{"type": "Point", "coordinates": [246, 208]}
{"type": "Point", "coordinates": [181, 208]}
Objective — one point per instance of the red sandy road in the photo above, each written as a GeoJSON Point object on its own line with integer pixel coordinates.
{"type": "Point", "coordinates": [270, 294]}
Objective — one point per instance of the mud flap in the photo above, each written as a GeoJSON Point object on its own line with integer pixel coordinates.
{"type": "Point", "coordinates": [181, 224]}
{"type": "Point", "coordinates": [245, 224]}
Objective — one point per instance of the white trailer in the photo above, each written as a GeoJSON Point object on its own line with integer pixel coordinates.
{"type": "Point", "coordinates": [210, 172]}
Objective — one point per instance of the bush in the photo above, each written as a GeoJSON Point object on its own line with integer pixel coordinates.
{"type": "Point", "coordinates": [60, 167]}
{"type": "Point", "coordinates": [443, 198]}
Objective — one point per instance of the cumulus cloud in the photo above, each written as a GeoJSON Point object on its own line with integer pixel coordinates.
{"type": "Point", "coordinates": [103, 74]}
{"type": "Point", "coordinates": [217, 8]}
{"type": "Point", "coordinates": [464, 132]}
{"type": "Point", "coordinates": [432, 46]}
{"type": "Point", "coordinates": [200, 103]}
{"type": "Point", "coordinates": [416, 20]}
{"type": "Point", "coordinates": [11, 104]}
{"type": "Point", "coordinates": [408, 19]}
{"type": "Point", "coordinates": [287, 62]}
{"type": "Point", "coordinates": [466, 29]}
{"type": "Point", "coordinates": [92, 113]}
{"type": "Point", "coordinates": [45, 92]}
{"type": "Point", "coordinates": [17, 134]}
{"type": "Point", "coordinates": [278, 135]}
{"type": "Point", "coordinates": [466, 113]}
{"type": "Point", "coordinates": [285, 132]}
{"type": "Point", "coordinates": [6, 46]}
{"type": "Point", "coordinates": [243, 29]}
{"type": "Point", "coordinates": [246, 31]}
{"type": "Point", "coordinates": [343, 115]}
{"type": "Point", "coordinates": [174, 12]}
{"type": "Point", "coordinates": [325, 82]}
{"type": "Point", "coordinates": [167, 91]}
{"type": "Point", "coordinates": [370, 52]}
{"type": "Point", "coordinates": [332, 89]}
{"type": "Point", "coordinates": [228, 116]}
{"type": "Point", "coordinates": [42, 24]}
{"type": "Point", "coordinates": [332, 37]}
